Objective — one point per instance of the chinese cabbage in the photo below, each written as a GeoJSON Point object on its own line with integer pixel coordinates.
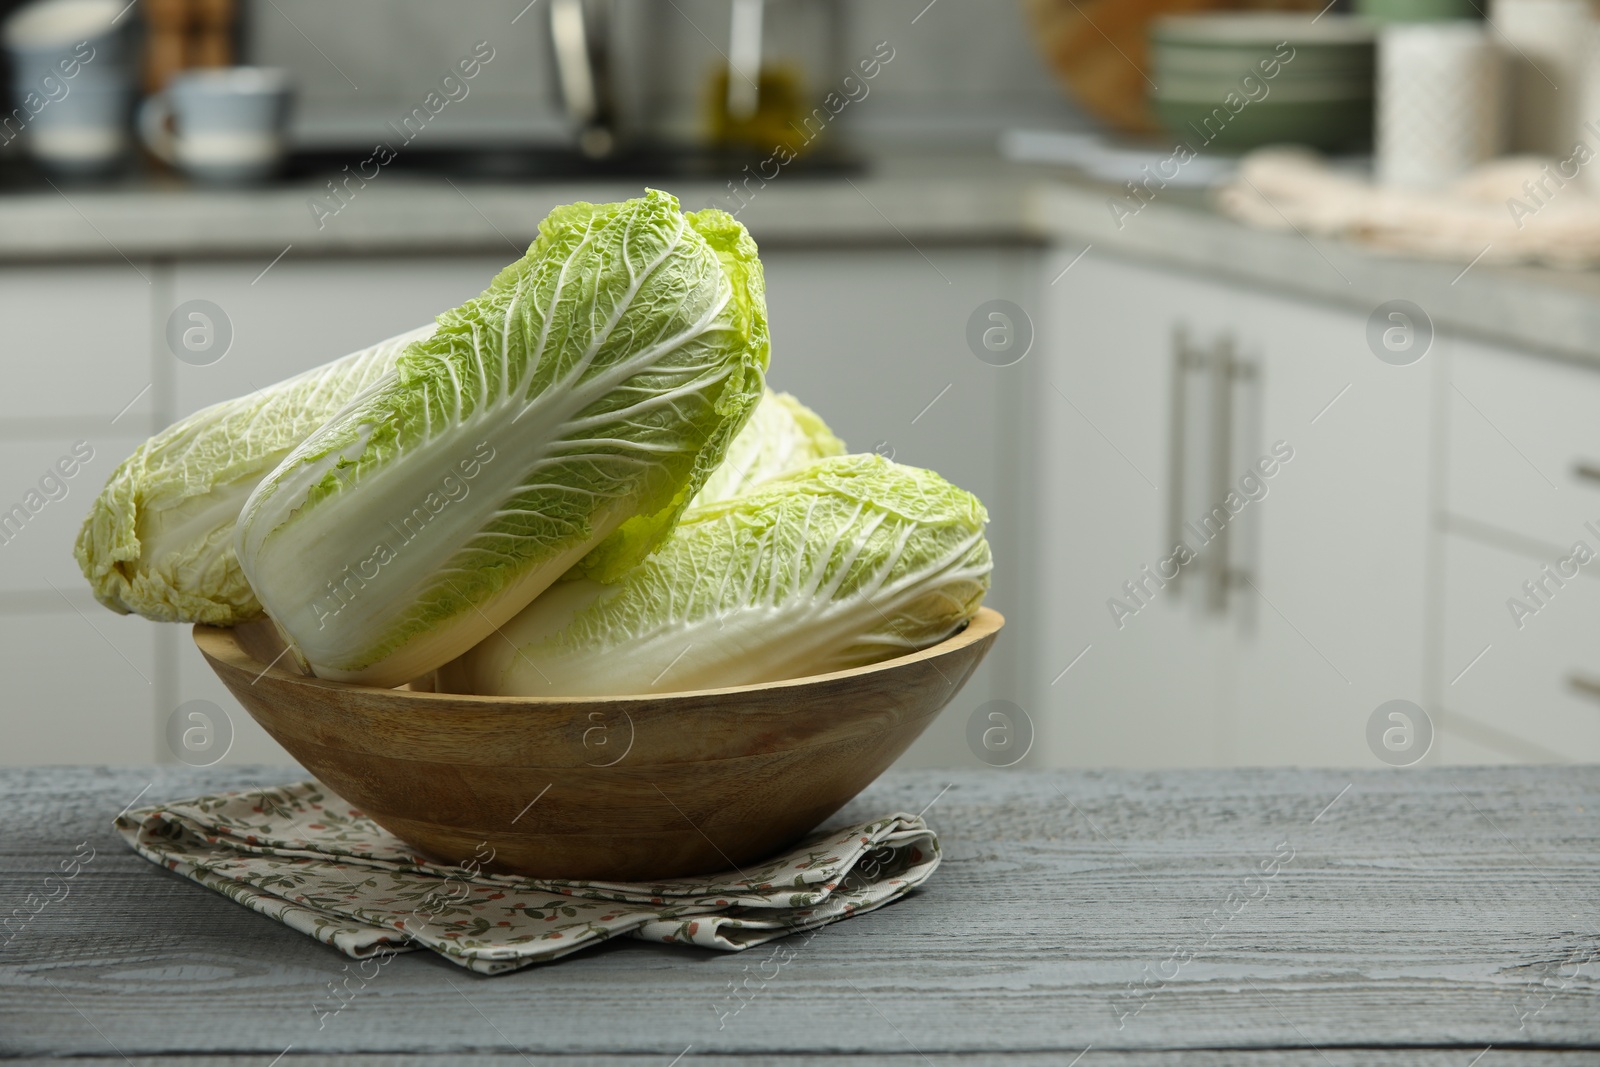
{"type": "Point", "coordinates": [158, 540]}
{"type": "Point", "coordinates": [843, 562]}
{"type": "Point", "coordinates": [782, 434]}
{"type": "Point", "coordinates": [564, 418]}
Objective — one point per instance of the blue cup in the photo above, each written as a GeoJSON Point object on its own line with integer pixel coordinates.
{"type": "Point", "coordinates": [71, 84]}
{"type": "Point", "coordinates": [225, 125]}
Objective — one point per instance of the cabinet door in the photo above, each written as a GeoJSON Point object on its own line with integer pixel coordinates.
{"type": "Point", "coordinates": [79, 395]}
{"type": "Point", "coordinates": [1146, 690]}
{"type": "Point", "coordinates": [1332, 586]}
{"type": "Point", "coordinates": [1292, 463]}
{"type": "Point", "coordinates": [83, 687]}
{"type": "Point", "coordinates": [1524, 445]}
{"type": "Point", "coordinates": [77, 346]}
{"type": "Point", "coordinates": [875, 340]}
{"type": "Point", "coordinates": [298, 315]}
{"type": "Point", "coordinates": [1519, 672]}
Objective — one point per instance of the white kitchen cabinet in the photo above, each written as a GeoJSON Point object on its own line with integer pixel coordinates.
{"type": "Point", "coordinates": [81, 686]}
{"type": "Point", "coordinates": [1279, 649]}
{"type": "Point", "coordinates": [1321, 612]}
{"type": "Point", "coordinates": [301, 314]}
{"type": "Point", "coordinates": [1522, 487]}
{"type": "Point", "coordinates": [1147, 689]}
{"type": "Point", "coordinates": [197, 681]}
{"type": "Point", "coordinates": [82, 682]}
{"type": "Point", "coordinates": [36, 554]}
{"type": "Point", "coordinates": [295, 316]}
{"type": "Point", "coordinates": [89, 344]}
{"type": "Point", "coordinates": [875, 340]}
{"type": "Point", "coordinates": [1524, 685]}
{"type": "Point", "coordinates": [1524, 452]}
{"type": "Point", "coordinates": [1335, 603]}
{"type": "Point", "coordinates": [77, 344]}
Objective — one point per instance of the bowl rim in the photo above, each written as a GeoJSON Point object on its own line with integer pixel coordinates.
{"type": "Point", "coordinates": [221, 644]}
{"type": "Point", "coordinates": [1252, 30]}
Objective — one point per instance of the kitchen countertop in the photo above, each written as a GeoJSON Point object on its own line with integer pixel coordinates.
{"type": "Point", "coordinates": [1416, 916]}
{"type": "Point", "coordinates": [921, 200]}
{"type": "Point", "coordinates": [936, 200]}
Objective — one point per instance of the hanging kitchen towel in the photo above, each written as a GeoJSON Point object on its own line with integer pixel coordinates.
{"type": "Point", "coordinates": [303, 856]}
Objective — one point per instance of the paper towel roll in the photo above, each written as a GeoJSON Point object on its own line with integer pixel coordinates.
{"type": "Point", "coordinates": [1543, 42]}
{"type": "Point", "coordinates": [1440, 102]}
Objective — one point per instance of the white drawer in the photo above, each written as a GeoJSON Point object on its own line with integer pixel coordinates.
{"type": "Point", "coordinates": [77, 342]}
{"type": "Point", "coordinates": [1524, 434]}
{"type": "Point", "coordinates": [197, 681]}
{"type": "Point", "coordinates": [36, 542]}
{"type": "Point", "coordinates": [76, 693]}
{"type": "Point", "coordinates": [1521, 686]}
{"type": "Point", "coordinates": [300, 315]}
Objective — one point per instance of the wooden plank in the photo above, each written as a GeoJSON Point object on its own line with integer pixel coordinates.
{"type": "Point", "coordinates": [1450, 909]}
{"type": "Point", "coordinates": [1094, 1057]}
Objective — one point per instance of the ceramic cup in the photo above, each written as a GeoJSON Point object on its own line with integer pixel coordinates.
{"type": "Point", "coordinates": [71, 84]}
{"type": "Point", "coordinates": [225, 125]}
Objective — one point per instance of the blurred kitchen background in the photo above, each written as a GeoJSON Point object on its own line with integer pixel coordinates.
{"type": "Point", "coordinates": [1056, 250]}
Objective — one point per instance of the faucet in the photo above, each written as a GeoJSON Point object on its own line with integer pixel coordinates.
{"type": "Point", "coordinates": [583, 67]}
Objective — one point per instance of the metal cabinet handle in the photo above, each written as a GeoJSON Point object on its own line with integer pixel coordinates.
{"type": "Point", "coordinates": [1586, 470]}
{"type": "Point", "coordinates": [1585, 686]}
{"type": "Point", "coordinates": [1224, 370]}
{"type": "Point", "coordinates": [1183, 361]}
{"type": "Point", "coordinates": [1219, 476]}
{"type": "Point", "coordinates": [1248, 372]}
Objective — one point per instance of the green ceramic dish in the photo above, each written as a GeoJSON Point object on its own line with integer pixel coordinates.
{"type": "Point", "coordinates": [1329, 125]}
{"type": "Point", "coordinates": [1418, 10]}
{"type": "Point", "coordinates": [1245, 29]}
{"type": "Point", "coordinates": [1310, 80]}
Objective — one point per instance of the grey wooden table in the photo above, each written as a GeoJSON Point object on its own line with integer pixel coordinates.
{"type": "Point", "coordinates": [1206, 917]}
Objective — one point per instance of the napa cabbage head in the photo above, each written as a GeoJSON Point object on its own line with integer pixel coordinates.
{"type": "Point", "coordinates": [562, 419]}
{"type": "Point", "coordinates": [158, 540]}
{"type": "Point", "coordinates": [844, 562]}
{"type": "Point", "coordinates": [782, 434]}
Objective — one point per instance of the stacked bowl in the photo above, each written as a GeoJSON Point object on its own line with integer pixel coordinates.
{"type": "Point", "coordinates": [1234, 81]}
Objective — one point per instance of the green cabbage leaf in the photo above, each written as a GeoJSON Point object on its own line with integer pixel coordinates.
{"type": "Point", "coordinates": [562, 419]}
{"type": "Point", "coordinates": [844, 562]}
{"type": "Point", "coordinates": [158, 540]}
{"type": "Point", "coordinates": [782, 434]}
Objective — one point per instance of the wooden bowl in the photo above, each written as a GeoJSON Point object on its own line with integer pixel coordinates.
{"type": "Point", "coordinates": [600, 788]}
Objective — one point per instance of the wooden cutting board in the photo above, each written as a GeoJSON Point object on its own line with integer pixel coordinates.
{"type": "Point", "coordinates": [1097, 49]}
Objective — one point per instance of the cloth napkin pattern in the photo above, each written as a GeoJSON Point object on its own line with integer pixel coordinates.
{"type": "Point", "coordinates": [305, 857]}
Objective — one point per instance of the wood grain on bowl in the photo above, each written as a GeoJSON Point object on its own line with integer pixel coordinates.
{"type": "Point", "coordinates": [617, 788]}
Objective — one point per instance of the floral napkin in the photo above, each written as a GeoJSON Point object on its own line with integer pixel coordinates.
{"type": "Point", "coordinates": [303, 856]}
